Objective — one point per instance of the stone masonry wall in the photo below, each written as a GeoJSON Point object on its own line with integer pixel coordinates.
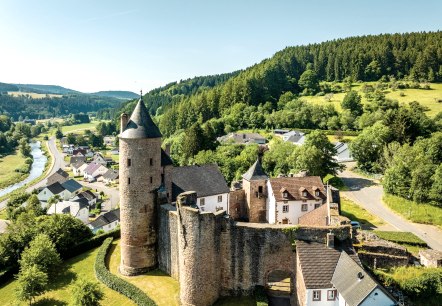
{"type": "Point", "coordinates": [256, 202]}
{"type": "Point", "coordinates": [237, 205]}
{"type": "Point", "coordinates": [138, 203]}
{"type": "Point", "coordinates": [168, 240]}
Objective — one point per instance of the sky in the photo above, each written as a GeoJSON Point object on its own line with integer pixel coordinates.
{"type": "Point", "coordinates": [139, 45]}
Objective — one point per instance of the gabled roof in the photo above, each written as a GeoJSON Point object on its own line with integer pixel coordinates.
{"type": "Point", "coordinates": [294, 187]}
{"type": "Point", "coordinates": [352, 282]}
{"type": "Point", "coordinates": [110, 175]}
{"type": "Point", "coordinates": [140, 124]}
{"type": "Point", "coordinates": [318, 262]}
{"type": "Point", "coordinates": [87, 194]}
{"type": "Point", "coordinates": [205, 180]}
{"type": "Point", "coordinates": [77, 159]}
{"type": "Point", "coordinates": [56, 188]}
{"type": "Point", "coordinates": [58, 176]}
{"type": "Point", "coordinates": [107, 218]}
{"type": "Point", "coordinates": [72, 185]}
{"type": "Point", "coordinates": [255, 172]}
{"type": "Point", "coordinates": [92, 168]}
{"type": "Point", "coordinates": [78, 164]}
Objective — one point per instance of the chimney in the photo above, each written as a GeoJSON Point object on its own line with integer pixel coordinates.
{"type": "Point", "coordinates": [123, 122]}
{"type": "Point", "coordinates": [330, 240]}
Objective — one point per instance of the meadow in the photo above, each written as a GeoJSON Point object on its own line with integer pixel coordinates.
{"type": "Point", "coordinates": [79, 127]}
{"type": "Point", "coordinates": [8, 164]}
{"type": "Point", "coordinates": [428, 98]}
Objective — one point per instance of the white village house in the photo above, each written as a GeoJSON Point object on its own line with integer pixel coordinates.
{"type": "Point", "coordinates": [207, 181]}
{"type": "Point", "coordinates": [290, 198]}
{"type": "Point", "coordinates": [93, 171]}
{"type": "Point", "coordinates": [107, 222]}
{"type": "Point", "coordinates": [76, 208]}
{"type": "Point", "coordinates": [78, 168]}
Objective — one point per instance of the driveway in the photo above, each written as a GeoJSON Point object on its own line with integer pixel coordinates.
{"type": "Point", "coordinates": [368, 193]}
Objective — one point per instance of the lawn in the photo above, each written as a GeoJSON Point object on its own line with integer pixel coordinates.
{"type": "Point", "coordinates": [79, 127]}
{"type": "Point", "coordinates": [60, 288]}
{"type": "Point", "coordinates": [355, 212]}
{"type": "Point", "coordinates": [160, 287]}
{"type": "Point", "coordinates": [32, 94]}
{"type": "Point", "coordinates": [419, 213]}
{"type": "Point", "coordinates": [427, 98]}
{"type": "Point", "coordinates": [7, 166]}
{"type": "Point", "coordinates": [409, 240]}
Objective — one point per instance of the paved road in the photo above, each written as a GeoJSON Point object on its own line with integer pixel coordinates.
{"type": "Point", "coordinates": [368, 194]}
{"type": "Point", "coordinates": [112, 192]}
{"type": "Point", "coordinates": [57, 162]}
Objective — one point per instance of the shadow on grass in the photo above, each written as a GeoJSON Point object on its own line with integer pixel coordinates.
{"type": "Point", "coordinates": [50, 302]}
{"type": "Point", "coordinates": [354, 183]}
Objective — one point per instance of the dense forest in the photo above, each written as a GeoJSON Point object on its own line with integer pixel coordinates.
{"type": "Point", "coordinates": [47, 107]}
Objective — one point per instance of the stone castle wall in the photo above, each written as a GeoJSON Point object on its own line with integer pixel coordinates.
{"type": "Point", "coordinates": [137, 203]}
{"type": "Point", "coordinates": [256, 201]}
{"type": "Point", "coordinates": [237, 205]}
{"type": "Point", "coordinates": [211, 255]}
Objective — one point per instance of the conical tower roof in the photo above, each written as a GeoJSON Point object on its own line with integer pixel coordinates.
{"type": "Point", "coordinates": [255, 172]}
{"type": "Point", "coordinates": [140, 124]}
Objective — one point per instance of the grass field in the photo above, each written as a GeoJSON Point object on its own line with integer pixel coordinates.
{"type": "Point", "coordinates": [355, 212]}
{"type": "Point", "coordinates": [32, 94]}
{"type": "Point", "coordinates": [79, 127]}
{"type": "Point", "coordinates": [7, 166]}
{"type": "Point", "coordinates": [409, 240]}
{"type": "Point", "coordinates": [160, 287]}
{"type": "Point", "coordinates": [427, 98]}
{"type": "Point", "coordinates": [60, 288]}
{"type": "Point", "coordinates": [419, 213]}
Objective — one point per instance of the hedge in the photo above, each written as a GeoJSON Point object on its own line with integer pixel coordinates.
{"type": "Point", "coordinates": [116, 283]}
{"type": "Point", "coordinates": [91, 243]}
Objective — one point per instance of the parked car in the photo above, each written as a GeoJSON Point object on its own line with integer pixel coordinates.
{"type": "Point", "coordinates": [355, 224]}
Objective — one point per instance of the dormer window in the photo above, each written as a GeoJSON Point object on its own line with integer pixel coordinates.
{"type": "Point", "coordinates": [285, 194]}
{"type": "Point", "coordinates": [317, 193]}
{"type": "Point", "coordinates": [304, 193]}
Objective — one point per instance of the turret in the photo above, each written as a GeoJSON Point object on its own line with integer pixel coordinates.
{"type": "Point", "coordinates": [255, 189]}
{"type": "Point", "coordinates": [140, 177]}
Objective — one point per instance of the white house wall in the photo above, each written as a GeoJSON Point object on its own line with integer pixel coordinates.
{"type": "Point", "coordinates": [44, 195]}
{"type": "Point", "coordinates": [323, 301]}
{"type": "Point", "coordinates": [295, 210]}
{"type": "Point", "coordinates": [211, 202]}
{"type": "Point", "coordinates": [377, 298]}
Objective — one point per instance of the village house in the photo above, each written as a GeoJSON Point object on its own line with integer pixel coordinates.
{"type": "Point", "coordinates": [111, 176]}
{"type": "Point", "coordinates": [59, 176]}
{"type": "Point", "coordinates": [207, 181]}
{"type": "Point", "coordinates": [78, 168]}
{"type": "Point", "coordinates": [78, 209]}
{"type": "Point", "coordinates": [89, 196]}
{"type": "Point", "coordinates": [93, 171]}
{"type": "Point", "coordinates": [52, 190]}
{"type": "Point", "coordinates": [109, 140]}
{"type": "Point", "coordinates": [341, 281]}
{"type": "Point", "coordinates": [106, 222]}
{"type": "Point", "coordinates": [72, 187]}
{"type": "Point", "coordinates": [242, 138]}
{"type": "Point", "coordinates": [76, 159]}
{"type": "Point", "coordinates": [291, 197]}
{"type": "Point", "coordinates": [343, 153]}
{"type": "Point", "coordinates": [100, 159]}
{"type": "Point", "coordinates": [296, 137]}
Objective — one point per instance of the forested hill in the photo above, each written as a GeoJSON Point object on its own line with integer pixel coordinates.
{"type": "Point", "coordinates": [415, 56]}
{"type": "Point", "coordinates": [118, 94]}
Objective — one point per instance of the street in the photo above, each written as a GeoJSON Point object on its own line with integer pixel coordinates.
{"type": "Point", "coordinates": [367, 193]}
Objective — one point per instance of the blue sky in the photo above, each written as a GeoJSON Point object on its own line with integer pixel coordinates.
{"type": "Point", "coordinates": [133, 45]}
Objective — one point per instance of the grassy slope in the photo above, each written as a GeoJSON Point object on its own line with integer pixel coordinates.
{"type": "Point", "coordinates": [60, 292]}
{"type": "Point", "coordinates": [79, 127]}
{"type": "Point", "coordinates": [419, 213]}
{"type": "Point", "coordinates": [424, 97]}
{"type": "Point", "coordinates": [7, 166]}
{"type": "Point", "coordinates": [356, 213]}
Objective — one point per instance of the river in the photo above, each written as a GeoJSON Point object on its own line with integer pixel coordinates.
{"type": "Point", "coordinates": [37, 168]}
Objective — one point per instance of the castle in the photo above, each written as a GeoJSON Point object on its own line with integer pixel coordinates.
{"type": "Point", "coordinates": [209, 253]}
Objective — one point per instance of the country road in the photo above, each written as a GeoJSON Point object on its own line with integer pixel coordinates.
{"type": "Point", "coordinates": [368, 194]}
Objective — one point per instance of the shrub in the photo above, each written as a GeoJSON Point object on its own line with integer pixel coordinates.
{"type": "Point", "coordinates": [116, 283]}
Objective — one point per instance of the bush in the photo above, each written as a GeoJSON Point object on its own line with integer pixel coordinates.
{"type": "Point", "coordinates": [116, 283]}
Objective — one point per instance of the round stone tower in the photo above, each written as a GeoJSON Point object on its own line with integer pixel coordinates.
{"type": "Point", "coordinates": [140, 177]}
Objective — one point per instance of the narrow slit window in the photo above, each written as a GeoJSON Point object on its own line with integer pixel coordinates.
{"type": "Point", "coordinates": [151, 179]}
{"type": "Point", "coordinates": [129, 162]}
{"type": "Point", "coordinates": [128, 180]}
{"type": "Point", "coordinates": [151, 161]}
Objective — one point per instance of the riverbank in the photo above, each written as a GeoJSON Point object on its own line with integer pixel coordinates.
{"type": "Point", "coordinates": [8, 164]}
{"type": "Point", "coordinates": [47, 168]}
